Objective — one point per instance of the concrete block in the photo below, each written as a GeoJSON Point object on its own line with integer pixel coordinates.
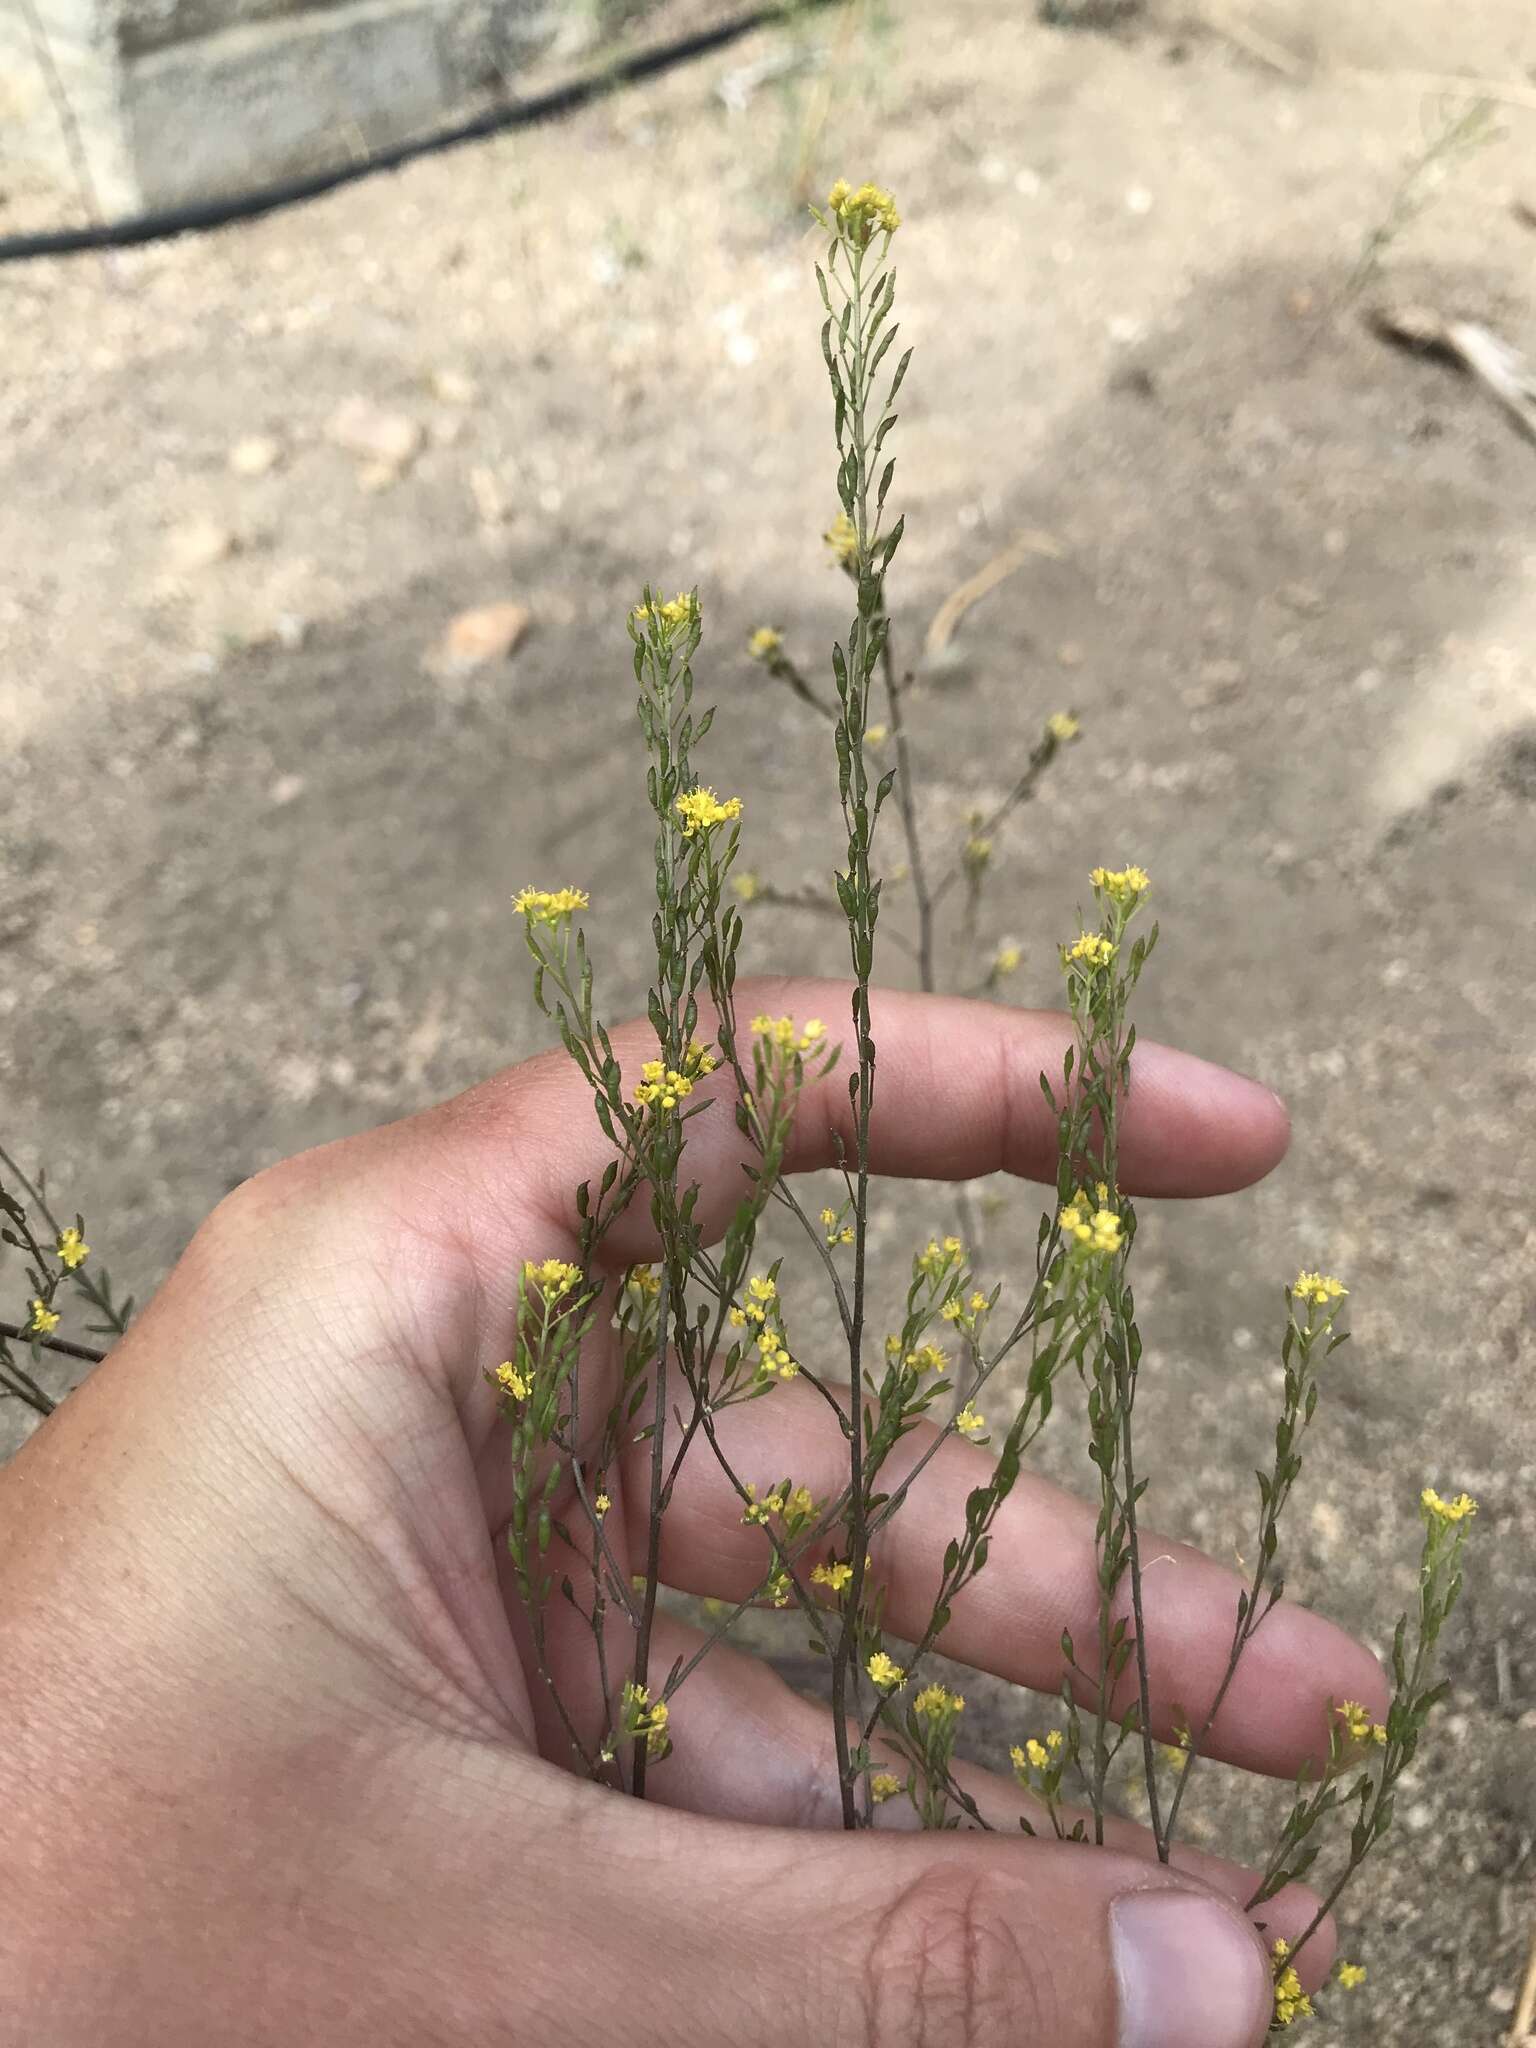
{"type": "Point", "coordinates": [285, 95]}
{"type": "Point", "coordinates": [179, 100]}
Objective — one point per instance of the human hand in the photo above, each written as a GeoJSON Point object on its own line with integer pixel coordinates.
{"type": "Point", "coordinates": [278, 1766]}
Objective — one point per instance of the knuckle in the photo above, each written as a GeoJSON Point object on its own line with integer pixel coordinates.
{"type": "Point", "coordinates": [947, 1963]}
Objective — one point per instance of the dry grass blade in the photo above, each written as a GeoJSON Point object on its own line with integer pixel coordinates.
{"type": "Point", "coordinates": [1493, 361]}
{"type": "Point", "coordinates": [1521, 2033]}
{"type": "Point", "coordinates": [1033, 544]}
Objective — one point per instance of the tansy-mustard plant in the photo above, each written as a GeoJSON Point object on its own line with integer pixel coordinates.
{"type": "Point", "coordinates": [966, 1367]}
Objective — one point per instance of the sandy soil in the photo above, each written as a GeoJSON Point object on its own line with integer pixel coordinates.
{"type": "Point", "coordinates": [258, 848]}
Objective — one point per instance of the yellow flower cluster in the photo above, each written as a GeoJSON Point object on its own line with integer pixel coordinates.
{"type": "Point", "coordinates": [764, 642]}
{"type": "Point", "coordinates": [885, 1672]}
{"type": "Point", "coordinates": [748, 886]}
{"type": "Point", "coordinates": [882, 1786]}
{"type": "Point", "coordinates": [876, 735]}
{"type": "Point", "coordinates": [1291, 2002]}
{"type": "Point", "coordinates": [927, 1358]}
{"type": "Point", "coordinates": [1062, 726]}
{"type": "Point", "coordinates": [1099, 1231]}
{"type": "Point", "coordinates": [969, 1423]}
{"type": "Point", "coordinates": [781, 1032]}
{"type": "Point", "coordinates": [551, 1277]}
{"type": "Point", "coordinates": [837, 1231]}
{"type": "Point", "coordinates": [1458, 1510]}
{"type": "Point", "coordinates": [842, 537]}
{"type": "Point", "coordinates": [677, 611]}
{"type": "Point", "coordinates": [937, 1703]}
{"type": "Point", "coordinates": [965, 1312]}
{"type": "Point", "coordinates": [600, 1505]}
{"type": "Point", "coordinates": [664, 1087]}
{"type": "Point", "coordinates": [644, 1717]}
{"type": "Point", "coordinates": [936, 1258]}
{"type": "Point", "coordinates": [700, 809]}
{"type": "Point", "coordinates": [1358, 1724]}
{"type": "Point", "coordinates": [1123, 886]}
{"type": "Point", "coordinates": [761, 1309]}
{"type": "Point", "coordinates": [834, 1575]}
{"type": "Point", "coordinates": [1351, 1975]}
{"type": "Point", "coordinates": [1318, 1288]}
{"type": "Point", "coordinates": [1007, 960]}
{"type": "Point", "coordinates": [1035, 1755]}
{"type": "Point", "coordinates": [645, 1281]}
{"type": "Point", "coordinates": [1090, 950]}
{"type": "Point", "coordinates": [549, 906]}
{"type": "Point", "coordinates": [511, 1381]}
{"type": "Point", "coordinates": [72, 1249]}
{"type": "Point", "coordinates": [795, 1504]}
{"type": "Point", "coordinates": [44, 1319]}
{"type": "Point", "coordinates": [861, 210]}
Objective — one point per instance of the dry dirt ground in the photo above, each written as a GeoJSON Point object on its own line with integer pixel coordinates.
{"type": "Point", "coordinates": [258, 850]}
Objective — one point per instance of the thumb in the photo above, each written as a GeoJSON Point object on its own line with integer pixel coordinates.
{"type": "Point", "coordinates": [758, 1936]}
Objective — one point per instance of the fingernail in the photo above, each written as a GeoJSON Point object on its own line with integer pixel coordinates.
{"type": "Point", "coordinates": [1190, 1971]}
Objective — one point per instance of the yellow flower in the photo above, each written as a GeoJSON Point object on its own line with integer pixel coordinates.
{"type": "Point", "coordinates": [1444, 1511]}
{"type": "Point", "coordinates": [1037, 1754]}
{"type": "Point", "coordinates": [1357, 1722]}
{"type": "Point", "coordinates": [551, 1277]}
{"type": "Point", "coordinates": [677, 611]}
{"type": "Point", "coordinates": [936, 1702]}
{"type": "Point", "coordinates": [928, 1358]}
{"type": "Point", "coordinates": [643, 1717]}
{"type": "Point", "coordinates": [834, 1575]}
{"type": "Point", "coordinates": [935, 1259]}
{"type": "Point", "coordinates": [1319, 1288]}
{"type": "Point", "coordinates": [1291, 2002]}
{"type": "Point", "coordinates": [700, 809]}
{"type": "Point", "coordinates": [764, 642]}
{"type": "Point", "coordinates": [862, 212]}
{"type": "Point", "coordinates": [842, 537]}
{"type": "Point", "coordinates": [780, 1032]}
{"type": "Point", "coordinates": [885, 1672]}
{"type": "Point", "coordinates": [601, 1505]}
{"type": "Point", "coordinates": [72, 1249]}
{"type": "Point", "coordinates": [44, 1319]}
{"type": "Point", "coordinates": [876, 735]}
{"type": "Point", "coordinates": [1007, 960]}
{"type": "Point", "coordinates": [969, 1423]}
{"type": "Point", "coordinates": [1091, 950]}
{"type": "Point", "coordinates": [646, 1281]}
{"type": "Point", "coordinates": [1054, 1740]}
{"type": "Point", "coordinates": [516, 1383]}
{"type": "Point", "coordinates": [882, 1786]}
{"type": "Point", "coordinates": [1351, 1975]}
{"type": "Point", "coordinates": [748, 886]}
{"type": "Point", "coordinates": [1099, 1232]}
{"type": "Point", "coordinates": [798, 1504]}
{"type": "Point", "coordinates": [549, 906]}
{"type": "Point", "coordinates": [1123, 886]}
{"type": "Point", "coordinates": [1062, 726]}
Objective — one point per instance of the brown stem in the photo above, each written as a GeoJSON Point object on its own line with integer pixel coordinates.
{"type": "Point", "coordinates": [65, 1350]}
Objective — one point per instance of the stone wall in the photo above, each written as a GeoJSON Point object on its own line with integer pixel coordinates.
{"type": "Point", "coordinates": [186, 99]}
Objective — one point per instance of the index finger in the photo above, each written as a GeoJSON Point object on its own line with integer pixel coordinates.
{"type": "Point", "coordinates": [957, 1095]}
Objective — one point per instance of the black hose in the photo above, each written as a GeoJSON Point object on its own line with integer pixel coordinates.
{"type": "Point", "coordinates": [197, 216]}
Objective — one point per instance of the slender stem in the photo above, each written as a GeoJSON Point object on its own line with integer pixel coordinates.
{"type": "Point", "coordinates": [653, 1536]}
{"type": "Point", "coordinates": [1143, 1679]}
{"type": "Point", "coordinates": [1022, 790]}
{"type": "Point", "coordinates": [907, 806]}
{"type": "Point", "coordinates": [19, 1383]}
